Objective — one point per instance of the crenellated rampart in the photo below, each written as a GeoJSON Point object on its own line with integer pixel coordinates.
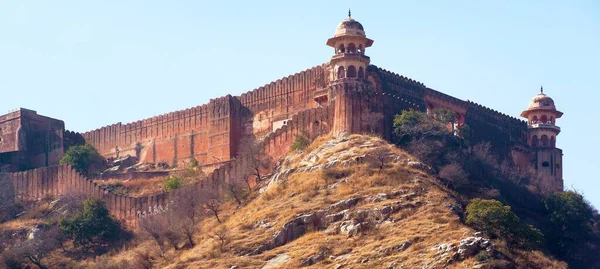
{"type": "Point", "coordinates": [62, 179]}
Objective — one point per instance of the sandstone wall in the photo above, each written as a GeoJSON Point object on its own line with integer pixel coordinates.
{"type": "Point", "coordinates": [61, 180]}
{"type": "Point", "coordinates": [486, 124]}
{"type": "Point", "coordinates": [210, 132]}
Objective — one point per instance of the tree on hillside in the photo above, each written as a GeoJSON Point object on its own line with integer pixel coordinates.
{"type": "Point", "coordinates": [187, 212]}
{"type": "Point", "coordinates": [371, 120]}
{"type": "Point", "coordinates": [445, 116]}
{"type": "Point", "coordinates": [33, 250]}
{"type": "Point", "coordinates": [570, 217]}
{"type": "Point", "coordinates": [254, 156]}
{"type": "Point", "coordinates": [92, 225]}
{"type": "Point", "coordinates": [497, 220]}
{"type": "Point", "coordinates": [301, 141]}
{"type": "Point", "coordinates": [414, 125]}
{"type": "Point", "coordinates": [84, 158]}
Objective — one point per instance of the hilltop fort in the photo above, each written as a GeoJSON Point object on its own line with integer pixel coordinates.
{"type": "Point", "coordinates": [340, 95]}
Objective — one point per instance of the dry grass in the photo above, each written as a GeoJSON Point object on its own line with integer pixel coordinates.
{"type": "Point", "coordinates": [428, 223]}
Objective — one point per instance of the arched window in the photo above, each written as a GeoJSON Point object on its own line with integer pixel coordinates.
{"type": "Point", "coordinates": [534, 141]}
{"type": "Point", "coordinates": [544, 119]}
{"type": "Point", "coordinates": [360, 49]}
{"type": "Point", "coordinates": [551, 120]}
{"type": "Point", "coordinates": [552, 141]}
{"type": "Point", "coordinates": [361, 72]}
{"type": "Point", "coordinates": [351, 71]}
{"type": "Point", "coordinates": [341, 72]}
{"type": "Point", "coordinates": [534, 120]}
{"type": "Point", "coordinates": [544, 140]}
{"type": "Point", "coordinates": [351, 48]}
{"type": "Point", "coordinates": [341, 49]}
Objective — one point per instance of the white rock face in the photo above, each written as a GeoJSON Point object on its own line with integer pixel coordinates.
{"type": "Point", "coordinates": [277, 262]}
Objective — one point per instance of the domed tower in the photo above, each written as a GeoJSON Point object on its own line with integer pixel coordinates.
{"type": "Point", "coordinates": [350, 90]}
{"type": "Point", "coordinates": [349, 42]}
{"type": "Point", "coordinates": [542, 132]}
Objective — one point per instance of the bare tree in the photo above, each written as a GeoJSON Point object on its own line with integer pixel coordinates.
{"type": "Point", "coordinates": [247, 178]}
{"type": "Point", "coordinates": [371, 120]}
{"type": "Point", "coordinates": [254, 157]}
{"type": "Point", "coordinates": [188, 212]}
{"type": "Point", "coordinates": [221, 236]}
{"type": "Point", "coordinates": [235, 191]}
{"type": "Point", "coordinates": [379, 157]}
{"type": "Point", "coordinates": [213, 205]}
{"type": "Point", "coordinates": [35, 249]}
{"type": "Point", "coordinates": [455, 174]}
{"type": "Point", "coordinates": [154, 226]}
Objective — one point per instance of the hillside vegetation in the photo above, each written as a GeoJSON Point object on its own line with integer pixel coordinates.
{"type": "Point", "coordinates": [346, 201]}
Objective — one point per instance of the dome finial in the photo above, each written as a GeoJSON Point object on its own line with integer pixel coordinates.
{"type": "Point", "coordinates": [349, 13]}
{"type": "Point", "coordinates": [542, 89]}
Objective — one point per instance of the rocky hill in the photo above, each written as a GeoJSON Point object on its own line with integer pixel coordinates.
{"type": "Point", "coordinates": [350, 201]}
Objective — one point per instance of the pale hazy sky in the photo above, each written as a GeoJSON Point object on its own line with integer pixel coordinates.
{"type": "Point", "coordinates": [94, 63]}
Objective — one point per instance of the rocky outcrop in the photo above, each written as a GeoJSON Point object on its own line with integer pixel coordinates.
{"type": "Point", "coordinates": [340, 218]}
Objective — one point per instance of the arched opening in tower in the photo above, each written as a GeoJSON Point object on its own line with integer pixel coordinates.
{"type": "Point", "coordinates": [361, 72]}
{"type": "Point", "coordinates": [552, 141]}
{"type": "Point", "coordinates": [351, 48]}
{"type": "Point", "coordinates": [341, 48]}
{"type": "Point", "coordinates": [544, 119]}
{"type": "Point", "coordinates": [360, 49]}
{"type": "Point", "coordinates": [351, 71]}
{"type": "Point", "coordinates": [534, 141]}
{"type": "Point", "coordinates": [544, 140]}
{"type": "Point", "coordinates": [341, 73]}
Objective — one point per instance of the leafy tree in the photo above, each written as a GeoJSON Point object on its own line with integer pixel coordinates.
{"type": "Point", "coordinates": [413, 125]}
{"type": "Point", "coordinates": [497, 220]}
{"type": "Point", "coordinates": [84, 158]}
{"type": "Point", "coordinates": [570, 217]}
{"type": "Point", "coordinates": [445, 115]}
{"type": "Point", "coordinates": [92, 225]}
{"type": "Point", "coordinates": [172, 183]}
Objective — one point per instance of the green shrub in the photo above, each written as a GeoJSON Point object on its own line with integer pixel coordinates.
{"type": "Point", "coordinates": [414, 125]}
{"type": "Point", "coordinates": [497, 220]}
{"type": "Point", "coordinates": [301, 141]}
{"type": "Point", "coordinates": [172, 183]}
{"type": "Point", "coordinates": [83, 158]}
{"type": "Point", "coordinates": [570, 218]}
{"type": "Point", "coordinates": [92, 225]}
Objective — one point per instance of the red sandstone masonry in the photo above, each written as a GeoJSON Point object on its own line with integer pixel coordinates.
{"type": "Point", "coordinates": [62, 179]}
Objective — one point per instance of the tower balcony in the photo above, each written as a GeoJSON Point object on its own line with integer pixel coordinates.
{"type": "Point", "coordinates": [540, 125]}
{"type": "Point", "coordinates": [351, 56]}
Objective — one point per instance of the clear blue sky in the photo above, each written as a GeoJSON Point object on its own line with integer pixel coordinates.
{"type": "Point", "coordinates": [94, 63]}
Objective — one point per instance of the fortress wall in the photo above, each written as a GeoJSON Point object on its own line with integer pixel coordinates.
{"type": "Point", "coordinates": [206, 132]}
{"type": "Point", "coordinates": [283, 98]}
{"type": "Point", "coordinates": [201, 132]}
{"type": "Point", "coordinates": [486, 124]}
{"type": "Point", "coordinates": [58, 180]}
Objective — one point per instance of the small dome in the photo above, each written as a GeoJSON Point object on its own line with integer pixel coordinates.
{"type": "Point", "coordinates": [541, 101]}
{"type": "Point", "coordinates": [349, 26]}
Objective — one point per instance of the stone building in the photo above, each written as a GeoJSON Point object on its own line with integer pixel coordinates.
{"type": "Point", "coordinates": [29, 140]}
{"type": "Point", "coordinates": [545, 157]}
{"type": "Point", "coordinates": [345, 94]}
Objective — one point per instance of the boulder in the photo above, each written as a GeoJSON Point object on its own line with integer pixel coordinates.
{"type": "Point", "coordinates": [314, 258]}
{"type": "Point", "coordinates": [277, 261]}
